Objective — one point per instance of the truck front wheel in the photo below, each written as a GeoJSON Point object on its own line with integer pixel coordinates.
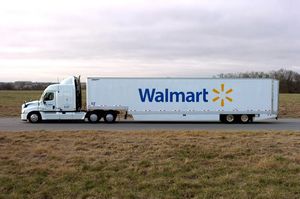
{"type": "Point", "coordinates": [110, 117]}
{"type": "Point", "coordinates": [34, 117]}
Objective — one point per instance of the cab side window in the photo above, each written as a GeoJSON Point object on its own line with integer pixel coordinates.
{"type": "Point", "coordinates": [49, 96]}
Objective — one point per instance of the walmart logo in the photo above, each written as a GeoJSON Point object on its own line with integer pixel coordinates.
{"type": "Point", "coordinates": [199, 96]}
{"type": "Point", "coordinates": [222, 95]}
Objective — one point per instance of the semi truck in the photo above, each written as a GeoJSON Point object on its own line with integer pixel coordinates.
{"type": "Point", "coordinates": [157, 99]}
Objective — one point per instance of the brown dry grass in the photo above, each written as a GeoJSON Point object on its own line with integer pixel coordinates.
{"type": "Point", "coordinates": [11, 101]}
{"type": "Point", "coordinates": [289, 105]}
{"type": "Point", "coordinates": [157, 164]}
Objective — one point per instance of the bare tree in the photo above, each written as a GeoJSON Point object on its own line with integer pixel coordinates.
{"type": "Point", "coordinates": [289, 80]}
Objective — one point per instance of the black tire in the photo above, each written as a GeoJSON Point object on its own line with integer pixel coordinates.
{"type": "Point", "coordinates": [245, 118]}
{"type": "Point", "coordinates": [94, 117]}
{"type": "Point", "coordinates": [230, 118]}
{"type": "Point", "coordinates": [34, 117]}
{"type": "Point", "coordinates": [110, 117]}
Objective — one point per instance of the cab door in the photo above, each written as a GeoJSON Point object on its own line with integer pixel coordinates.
{"type": "Point", "coordinates": [48, 106]}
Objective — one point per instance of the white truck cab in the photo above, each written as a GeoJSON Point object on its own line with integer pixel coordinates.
{"type": "Point", "coordinates": [58, 102]}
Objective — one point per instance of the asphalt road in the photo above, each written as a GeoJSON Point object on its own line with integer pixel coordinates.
{"type": "Point", "coordinates": [15, 124]}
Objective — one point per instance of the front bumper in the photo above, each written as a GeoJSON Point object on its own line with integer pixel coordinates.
{"type": "Point", "coordinates": [24, 117]}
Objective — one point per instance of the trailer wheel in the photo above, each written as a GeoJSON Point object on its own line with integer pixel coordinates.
{"type": "Point", "coordinates": [110, 117]}
{"type": "Point", "coordinates": [34, 117]}
{"type": "Point", "coordinates": [93, 117]}
{"type": "Point", "coordinates": [245, 118]}
{"type": "Point", "coordinates": [229, 118]}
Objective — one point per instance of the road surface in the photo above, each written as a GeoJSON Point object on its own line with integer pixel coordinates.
{"type": "Point", "coordinates": [15, 124]}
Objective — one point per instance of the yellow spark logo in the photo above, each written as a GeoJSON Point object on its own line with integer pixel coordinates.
{"type": "Point", "coordinates": [222, 98]}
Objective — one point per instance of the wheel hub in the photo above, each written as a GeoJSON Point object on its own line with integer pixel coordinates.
{"type": "Point", "coordinates": [244, 118]}
{"type": "Point", "coordinates": [94, 117]}
{"type": "Point", "coordinates": [230, 118]}
{"type": "Point", "coordinates": [109, 117]}
{"type": "Point", "coordinates": [34, 117]}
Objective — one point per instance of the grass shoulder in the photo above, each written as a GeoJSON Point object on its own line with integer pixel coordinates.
{"type": "Point", "coordinates": [153, 164]}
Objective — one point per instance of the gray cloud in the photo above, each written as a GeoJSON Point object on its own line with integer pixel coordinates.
{"type": "Point", "coordinates": [181, 38]}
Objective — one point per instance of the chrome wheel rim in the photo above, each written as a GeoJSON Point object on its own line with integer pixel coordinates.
{"type": "Point", "coordinates": [109, 117]}
{"type": "Point", "coordinates": [244, 118]}
{"type": "Point", "coordinates": [230, 118]}
{"type": "Point", "coordinates": [94, 117]}
{"type": "Point", "coordinates": [34, 118]}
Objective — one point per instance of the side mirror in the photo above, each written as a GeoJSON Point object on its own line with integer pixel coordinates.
{"type": "Point", "coordinates": [44, 102]}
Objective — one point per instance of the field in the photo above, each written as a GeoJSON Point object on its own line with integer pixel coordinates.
{"type": "Point", "coordinates": [150, 165]}
{"type": "Point", "coordinates": [289, 105]}
{"type": "Point", "coordinates": [11, 101]}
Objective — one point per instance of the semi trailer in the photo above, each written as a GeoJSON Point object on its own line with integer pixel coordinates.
{"type": "Point", "coordinates": [157, 99]}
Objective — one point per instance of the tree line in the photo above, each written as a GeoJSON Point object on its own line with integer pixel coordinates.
{"type": "Point", "coordinates": [289, 80]}
{"type": "Point", "coordinates": [27, 85]}
{"type": "Point", "coordinates": [23, 85]}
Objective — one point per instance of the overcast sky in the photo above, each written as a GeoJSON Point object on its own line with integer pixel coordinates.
{"type": "Point", "coordinates": [49, 40]}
